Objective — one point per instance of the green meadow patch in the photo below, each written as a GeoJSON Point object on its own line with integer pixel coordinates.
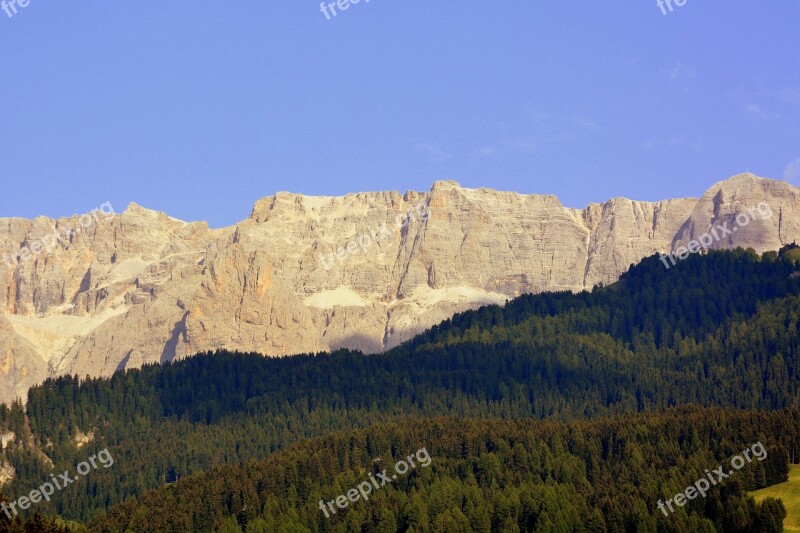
{"type": "Point", "coordinates": [789, 493]}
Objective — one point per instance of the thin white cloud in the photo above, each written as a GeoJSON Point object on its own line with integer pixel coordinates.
{"type": "Point", "coordinates": [792, 171]}
{"type": "Point", "coordinates": [543, 130]}
{"type": "Point", "coordinates": [524, 144]}
{"type": "Point", "coordinates": [756, 111]}
{"type": "Point", "coordinates": [586, 125]}
{"type": "Point", "coordinates": [678, 71]}
{"type": "Point", "coordinates": [434, 151]}
{"type": "Point", "coordinates": [674, 142]}
{"type": "Point", "coordinates": [765, 104]}
{"type": "Point", "coordinates": [790, 96]}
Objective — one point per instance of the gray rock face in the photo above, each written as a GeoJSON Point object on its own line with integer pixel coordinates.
{"type": "Point", "coordinates": [307, 274]}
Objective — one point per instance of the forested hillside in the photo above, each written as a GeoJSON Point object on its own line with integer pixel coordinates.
{"type": "Point", "coordinates": [503, 476]}
{"type": "Point", "coordinates": [716, 330]}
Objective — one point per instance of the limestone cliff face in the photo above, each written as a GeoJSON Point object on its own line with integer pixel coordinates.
{"type": "Point", "coordinates": [747, 212]}
{"type": "Point", "coordinates": [308, 274]}
{"type": "Point", "coordinates": [20, 363]}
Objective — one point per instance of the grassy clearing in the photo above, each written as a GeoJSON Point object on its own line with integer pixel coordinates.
{"type": "Point", "coordinates": [789, 492]}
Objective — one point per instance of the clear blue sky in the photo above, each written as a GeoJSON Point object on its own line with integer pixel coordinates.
{"type": "Point", "coordinates": [199, 108]}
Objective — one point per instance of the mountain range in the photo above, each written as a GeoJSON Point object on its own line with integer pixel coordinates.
{"type": "Point", "coordinates": [306, 274]}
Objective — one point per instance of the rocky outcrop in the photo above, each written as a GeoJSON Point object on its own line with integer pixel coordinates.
{"type": "Point", "coordinates": [746, 212]}
{"type": "Point", "coordinates": [309, 274]}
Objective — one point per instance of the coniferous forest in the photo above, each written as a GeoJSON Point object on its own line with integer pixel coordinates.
{"type": "Point", "coordinates": [554, 412]}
